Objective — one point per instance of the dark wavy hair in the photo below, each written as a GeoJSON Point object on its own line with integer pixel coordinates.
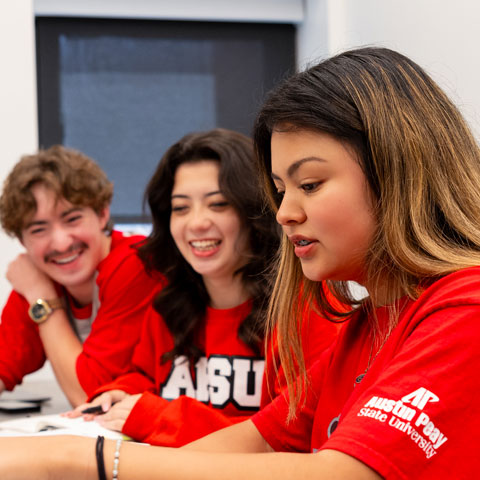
{"type": "Point", "coordinates": [183, 301]}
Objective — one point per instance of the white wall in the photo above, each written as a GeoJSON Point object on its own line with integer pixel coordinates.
{"type": "Point", "coordinates": [441, 35]}
{"type": "Point", "coordinates": [18, 105]}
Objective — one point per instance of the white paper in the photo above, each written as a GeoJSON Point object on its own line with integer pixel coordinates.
{"type": "Point", "coordinates": [55, 425]}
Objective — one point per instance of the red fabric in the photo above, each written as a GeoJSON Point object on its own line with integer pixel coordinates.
{"type": "Point", "coordinates": [415, 413]}
{"type": "Point", "coordinates": [317, 335]}
{"type": "Point", "coordinates": [125, 292]}
{"type": "Point", "coordinates": [178, 405]}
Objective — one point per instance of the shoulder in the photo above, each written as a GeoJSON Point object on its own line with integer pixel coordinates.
{"type": "Point", "coordinates": [123, 250]}
{"type": "Point", "coordinates": [155, 324]}
{"type": "Point", "coordinates": [123, 262]}
{"type": "Point", "coordinates": [445, 312]}
{"type": "Point", "coordinates": [124, 244]}
{"type": "Point", "coordinates": [456, 289]}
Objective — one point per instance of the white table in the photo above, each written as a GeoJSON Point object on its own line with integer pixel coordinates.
{"type": "Point", "coordinates": [42, 382]}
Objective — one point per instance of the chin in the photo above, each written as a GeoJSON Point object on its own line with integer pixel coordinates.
{"type": "Point", "coordinates": [201, 269]}
{"type": "Point", "coordinates": [313, 276]}
{"type": "Point", "coordinates": [318, 273]}
{"type": "Point", "coordinates": [75, 280]}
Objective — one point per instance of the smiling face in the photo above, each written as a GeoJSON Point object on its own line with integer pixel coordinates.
{"type": "Point", "coordinates": [205, 227]}
{"type": "Point", "coordinates": [64, 241]}
{"type": "Point", "coordinates": [325, 210]}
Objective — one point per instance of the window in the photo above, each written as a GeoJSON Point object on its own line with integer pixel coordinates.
{"type": "Point", "coordinates": [123, 91]}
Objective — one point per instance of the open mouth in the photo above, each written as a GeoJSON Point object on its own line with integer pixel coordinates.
{"type": "Point", "coordinates": [303, 243]}
{"type": "Point", "coordinates": [69, 256]}
{"type": "Point", "coordinates": [65, 260]}
{"type": "Point", "coordinates": [205, 245]}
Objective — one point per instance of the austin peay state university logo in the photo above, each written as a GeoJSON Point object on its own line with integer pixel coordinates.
{"type": "Point", "coordinates": [219, 380]}
{"type": "Point", "coordinates": [408, 415]}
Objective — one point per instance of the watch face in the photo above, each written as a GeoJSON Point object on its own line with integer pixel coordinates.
{"type": "Point", "coordinates": [42, 309]}
{"type": "Point", "coordinates": [38, 311]}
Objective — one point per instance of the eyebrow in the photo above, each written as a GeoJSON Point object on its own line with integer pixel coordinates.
{"type": "Point", "coordinates": [38, 223]}
{"type": "Point", "coordinates": [209, 194]}
{"type": "Point", "coordinates": [296, 165]}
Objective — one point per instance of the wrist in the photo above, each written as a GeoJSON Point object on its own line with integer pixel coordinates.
{"type": "Point", "coordinates": [33, 295]}
{"type": "Point", "coordinates": [108, 459]}
{"type": "Point", "coordinates": [42, 308]}
{"type": "Point", "coordinates": [74, 457]}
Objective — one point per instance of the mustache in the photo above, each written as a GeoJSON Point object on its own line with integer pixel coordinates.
{"type": "Point", "coordinates": [75, 247]}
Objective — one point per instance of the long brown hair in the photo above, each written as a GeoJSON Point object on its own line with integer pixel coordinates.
{"type": "Point", "coordinates": [422, 166]}
{"type": "Point", "coordinates": [183, 301]}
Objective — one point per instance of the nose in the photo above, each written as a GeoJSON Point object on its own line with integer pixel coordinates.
{"type": "Point", "coordinates": [60, 239]}
{"type": "Point", "coordinates": [290, 211]}
{"type": "Point", "coordinates": [199, 220]}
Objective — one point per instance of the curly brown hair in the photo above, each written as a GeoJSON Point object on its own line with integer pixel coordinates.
{"type": "Point", "coordinates": [69, 173]}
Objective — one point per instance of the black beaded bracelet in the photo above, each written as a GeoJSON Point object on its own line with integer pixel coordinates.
{"type": "Point", "coordinates": [100, 460]}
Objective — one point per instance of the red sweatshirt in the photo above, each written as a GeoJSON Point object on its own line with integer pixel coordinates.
{"type": "Point", "coordinates": [124, 291]}
{"type": "Point", "coordinates": [181, 404]}
{"type": "Point", "coordinates": [414, 414]}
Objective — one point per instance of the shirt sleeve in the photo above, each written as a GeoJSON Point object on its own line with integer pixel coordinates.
{"type": "Point", "coordinates": [293, 435]}
{"type": "Point", "coordinates": [318, 335]}
{"type": "Point", "coordinates": [419, 419]}
{"type": "Point", "coordinates": [21, 350]}
{"type": "Point", "coordinates": [124, 298]}
{"type": "Point", "coordinates": [174, 423]}
{"type": "Point", "coordinates": [131, 383]}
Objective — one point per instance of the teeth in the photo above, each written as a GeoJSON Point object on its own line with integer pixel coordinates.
{"type": "Point", "coordinates": [62, 261]}
{"type": "Point", "coordinates": [302, 243]}
{"type": "Point", "coordinates": [204, 244]}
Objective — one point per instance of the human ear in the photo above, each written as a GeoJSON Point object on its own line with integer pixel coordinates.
{"type": "Point", "coordinates": [104, 216]}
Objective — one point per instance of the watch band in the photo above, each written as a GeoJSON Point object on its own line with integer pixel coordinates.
{"type": "Point", "coordinates": [56, 303]}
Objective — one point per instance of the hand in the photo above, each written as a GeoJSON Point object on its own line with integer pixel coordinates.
{"type": "Point", "coordinates": [106, 400]}
{"type": "Point", "coordinates": [28, 280]}
{"type": "Point", "coordinates": [116, 417]}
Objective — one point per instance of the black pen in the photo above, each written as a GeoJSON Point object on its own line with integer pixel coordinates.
{"type": "Point", "coordinates": [94, 409]}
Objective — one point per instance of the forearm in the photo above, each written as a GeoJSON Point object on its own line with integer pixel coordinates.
{"type": "Point", "coordinates": [240, 438]}
{"type": "Point", "coordinates": [74, 458]}
{"type": "Point", "coordinates": [139, 462]}
{"type": "Point", "coordinates": [60, 344]}
{"type": "Point", "coordinates": [62, 348]}
{"type": "Point", "coordinates": [176, 422]}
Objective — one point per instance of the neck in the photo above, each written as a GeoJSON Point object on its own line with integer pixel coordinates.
{"type": "Point", "coordinates": [82, 294]}
{"type": "Point", "coordinates": [381, 293]}
{"type": "Point", "coordinates": [226, 293]}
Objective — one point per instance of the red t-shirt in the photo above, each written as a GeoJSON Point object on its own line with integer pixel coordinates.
{"type": "Point", "coordinates": [124, 293]}
{"type": "Point", "coordinates": [415, 413]}
{"type": "Point", "coordinates": [181, 404]}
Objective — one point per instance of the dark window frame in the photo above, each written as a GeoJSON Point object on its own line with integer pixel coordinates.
{"type": "Point", "coordinates": [280, 61]}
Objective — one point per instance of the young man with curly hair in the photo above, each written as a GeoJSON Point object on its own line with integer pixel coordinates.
{"type": "Point", "coordinates": [79, 290]}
